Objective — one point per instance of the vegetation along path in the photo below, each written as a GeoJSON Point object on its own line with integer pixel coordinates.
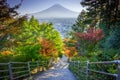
{"type": "Point", "coordinates": [59, 71]}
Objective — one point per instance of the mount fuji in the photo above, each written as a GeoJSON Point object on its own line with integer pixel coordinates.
{"type": "Point", "coordinates": [56, 11]}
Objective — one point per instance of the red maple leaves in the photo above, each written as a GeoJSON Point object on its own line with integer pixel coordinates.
{"type": "Point", "coordinates": [92, 34]}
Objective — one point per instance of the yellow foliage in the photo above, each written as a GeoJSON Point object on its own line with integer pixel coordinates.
{"type": "Point", "coordinates": [70, 51]}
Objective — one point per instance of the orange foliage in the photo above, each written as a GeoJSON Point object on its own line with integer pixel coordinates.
{"type": "Point", "coordinates": [48, 47]}
{"type": "Point", "coordinates": [69, 40]}
{"type": "Point", "coordinates": [70, 51]}
{"type": "Point", "coordinates": [6, 52]}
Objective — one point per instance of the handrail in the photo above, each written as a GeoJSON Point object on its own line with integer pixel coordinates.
{"type": "Point", "coordinates": [3, 63]}
{"type": "Point", "coordinates": [105, 73]}
{"type": "Point", "coordinates": [18, 67]}
{"type": "Point", "coordinates": [105, 62]}
{"type": "Point", "coordinates": [87, 64]}
{"type": "Point", "coordinates": [19, 62]}
{"type": "Point", "coordinates": [10, 69]}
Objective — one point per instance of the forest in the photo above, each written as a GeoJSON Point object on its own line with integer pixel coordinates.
{"type": "Point", "coordinates": [96, 33]}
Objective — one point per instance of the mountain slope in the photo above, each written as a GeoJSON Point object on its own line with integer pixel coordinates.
{"type": "Point", "coordinates": [56, 11]}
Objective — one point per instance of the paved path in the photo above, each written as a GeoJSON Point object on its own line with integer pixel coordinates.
{"type": "Point", "coordinates": [60, 71]}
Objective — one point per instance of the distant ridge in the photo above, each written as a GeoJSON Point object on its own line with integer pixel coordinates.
{"type": "Point", "coordinates": [55, 11]}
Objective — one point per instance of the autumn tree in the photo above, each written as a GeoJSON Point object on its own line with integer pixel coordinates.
{"type": "Point", "coordinates": [70, 47]}
{"type": "Point", "coordinates": [48, 48]}
{"type": "Point", "coordinates": [103, 17]}
{"type": "Point", "coordinates": [7, 12]}
{"type": "Point", "coordinates": [88, 40]}
{"type": "Point", "coordinates": [92, 35]}
{"type": "Point", "coordinates": [83, 24]}
{"type": "Point", "coordinates": [107, 14]}
{"type": "Point", "coordinates": [8, 23]}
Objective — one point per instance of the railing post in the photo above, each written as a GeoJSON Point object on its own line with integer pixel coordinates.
{"type": "Point", "coordinates": [118, 76]}
{"type": "Point", "coordinates": [38, 68]}
{"type": "Point", "coordinates": [46, 64]}
{"type": "Point", "coordinates": [42, 65]}
{"type": "Point", "coordinates": [74, 64]}
{"type": "Point", "coordinates": [71, 63]}
{"type": "Point", "coordinates": [78, 65]}
{"type": "Point", "coordinates": [10, 70]}
{"type": "Point", "coordinates": [29, 68]}
{"type": "Point", "coordinates": [87, 70]}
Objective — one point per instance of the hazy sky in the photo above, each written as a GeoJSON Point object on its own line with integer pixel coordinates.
{"type": "Point", "coordinates": [32, 6]}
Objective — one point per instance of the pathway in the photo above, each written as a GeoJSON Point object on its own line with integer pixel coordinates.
{"type": "Point", "coordinates": [59, 71]}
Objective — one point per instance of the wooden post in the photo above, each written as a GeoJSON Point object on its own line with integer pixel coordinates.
{"type": "Point", "coordinates": [29, 69]}
{"type": "Point", "coordinates": [38, 68]}
{"type": "Point", "coordinates": [10, 70]}
{"type": "Point", "coordinates": [42, 65]}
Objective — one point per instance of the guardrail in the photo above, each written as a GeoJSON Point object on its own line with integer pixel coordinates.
{"type": "Point", "coordinates": [19, 70]}
{"type": "Point", "coordinates": [88, 70]}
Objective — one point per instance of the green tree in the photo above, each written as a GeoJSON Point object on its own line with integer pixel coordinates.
{"type": "Point", "coordinates": [83, 23]}
{"type": "Point", "coordinates": [100, 10]}
{"type": "Point", "coordinates": [80, 24]}
{"type": "Point", "coordinates": [32, 31]}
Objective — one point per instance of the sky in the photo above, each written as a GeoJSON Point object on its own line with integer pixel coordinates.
{"type": "Point", "coordinates": [32, 6]}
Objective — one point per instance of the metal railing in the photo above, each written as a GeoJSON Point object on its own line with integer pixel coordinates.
{"type": "Point", "coordinates": [18, 70]}
{"type": "Point", "coordinates": [102, 70]}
